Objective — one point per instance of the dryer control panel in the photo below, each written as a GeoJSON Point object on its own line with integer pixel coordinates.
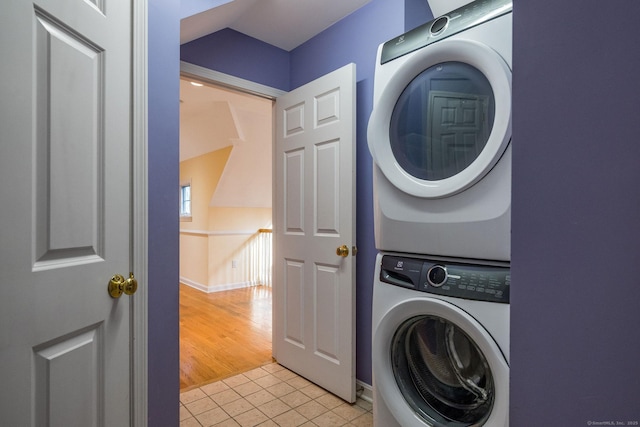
{"type": "Point", "coordinates": [460, 280]}
{"type": "Point", "coordinates": [465, 17]}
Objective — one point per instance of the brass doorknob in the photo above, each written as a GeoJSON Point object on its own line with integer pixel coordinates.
{"type": "Point", "coordinates": [119, 285]}
{"type": "Point", "coordinates": [343, 251]}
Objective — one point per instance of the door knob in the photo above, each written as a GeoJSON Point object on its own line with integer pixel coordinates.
{"type": "Point", "coordinates": [343, 251]}
{"type": "Point", "coordinates": [119, 285]}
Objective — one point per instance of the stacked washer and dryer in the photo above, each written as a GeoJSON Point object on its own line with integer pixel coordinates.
{"type": "Point", "coordinates": [440, 134]}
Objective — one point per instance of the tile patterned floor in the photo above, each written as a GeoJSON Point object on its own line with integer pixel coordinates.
{"type": "Point", "coordinates": [269, 396]}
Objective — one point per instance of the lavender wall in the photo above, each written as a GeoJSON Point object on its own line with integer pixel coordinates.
{"type": "Point", "coordinates": [234, 53]}
{"type": "Point", "coordinates": [356, 39]}
{"type": "Point", "coordinates": [416, 13]}
{"type": "Point", "coordinates": [575, 201]}
{"type": "Point", "coordinates": [575, 301]}
{"type": "Point", "coordinates": [164, 92]}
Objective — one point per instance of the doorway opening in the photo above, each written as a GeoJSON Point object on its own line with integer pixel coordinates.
{"type": "Point", "coordinates": [225, 236]}
{"type": "Point", "coordinates": [313, 155]}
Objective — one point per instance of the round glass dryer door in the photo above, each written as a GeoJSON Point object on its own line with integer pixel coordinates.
{"type": "Point", "coordinates": [441, 372]}
{"type": "Point", "coordinates": [444, 118]}
{"type": "Point", "coordinates": [442, 121]}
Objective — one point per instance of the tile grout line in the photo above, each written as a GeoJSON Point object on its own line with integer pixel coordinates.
{"type": "Point", "coordinates": [269, 396]}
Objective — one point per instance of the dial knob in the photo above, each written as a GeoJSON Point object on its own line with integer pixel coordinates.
{"type": "Point", "coordinates": [439, 25]}
{"type": "Point", "coordinates": [437, 275]}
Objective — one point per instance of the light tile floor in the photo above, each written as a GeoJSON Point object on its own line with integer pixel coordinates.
{"type": "Point", "coordinates": [269, 396]}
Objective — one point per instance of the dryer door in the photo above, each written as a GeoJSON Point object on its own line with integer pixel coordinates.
{"type": "Point", "coordinates": [444, 118]}
{"type": "Point", "coordinates": [437, 366]}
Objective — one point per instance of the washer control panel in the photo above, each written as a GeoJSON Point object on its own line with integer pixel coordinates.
{"type": "Point", "coordinates": [465, 17]}
{"type": "Point", "coordinates": [460, 280]}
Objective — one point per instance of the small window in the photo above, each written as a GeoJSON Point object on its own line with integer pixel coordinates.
{"type": "Point", "coordinates": [185, 201]}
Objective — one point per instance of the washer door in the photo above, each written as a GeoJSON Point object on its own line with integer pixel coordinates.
{"type": "Point", "coordinates": [444, 118]}
{"type": "Point", "coordinates": [437, 366]}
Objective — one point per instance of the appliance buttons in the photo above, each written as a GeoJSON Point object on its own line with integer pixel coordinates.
{"type": "Point", "coordinates": [437, 275]}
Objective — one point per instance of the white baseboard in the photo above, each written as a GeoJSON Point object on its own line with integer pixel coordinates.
{"type": "Point", "coordinates": [195, 285]}
{"type": "Point", "coordinates": [214, 288]}
{"type": "Point", "coordinates": [364, 391]}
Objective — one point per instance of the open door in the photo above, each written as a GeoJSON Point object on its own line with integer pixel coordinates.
{"type": "Point", "coordinates": [65, 215]}
{"type": "Point", "coordinates": [314, 232]}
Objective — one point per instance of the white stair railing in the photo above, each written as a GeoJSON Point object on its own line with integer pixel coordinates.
{"type": "Point", "coordinates": [261, 258]}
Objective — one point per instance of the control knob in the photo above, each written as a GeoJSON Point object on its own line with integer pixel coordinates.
{"type": "Point", "coordinates": [437, 275]}
{"type": "Point", "coordinates": [439, 25]}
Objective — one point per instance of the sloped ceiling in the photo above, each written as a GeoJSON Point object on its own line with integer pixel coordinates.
{"type": "Point", "coordinates": [441, 7]}
{"type": "Point", "coordinates": [212, 118]}
{"type": "Point", "coordinates": [282, 23]}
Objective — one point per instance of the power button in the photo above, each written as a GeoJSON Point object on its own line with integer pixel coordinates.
{"type": "Point", "coordinates": [437, 275]}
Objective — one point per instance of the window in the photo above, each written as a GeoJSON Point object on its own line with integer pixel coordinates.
{"type": "Point", "coordinates": [185, 201]}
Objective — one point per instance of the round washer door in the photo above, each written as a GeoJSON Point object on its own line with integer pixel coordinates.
{"type": "Point", "coordinates": [444, 118]}
{"type": "Point", "coordinates": [435, 365]}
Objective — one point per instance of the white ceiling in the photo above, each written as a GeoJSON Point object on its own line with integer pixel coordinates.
{"type": "Point", "coordinates": [440, 7]}
{"type": "Point", "coordinates": [212, 118]}
{"type": "Point", "coordinates": [282, 23]}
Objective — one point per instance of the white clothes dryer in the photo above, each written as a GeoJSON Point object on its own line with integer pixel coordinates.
{"type": "Point", "coordinates": [440, 134]}
{"type": "Point", "coordinates": [440, 343]}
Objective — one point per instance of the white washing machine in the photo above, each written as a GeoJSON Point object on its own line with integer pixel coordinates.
{"type": "Point", "coordinates": [440, 342]}
{"type": "Point", "coordinates": [440, 134]}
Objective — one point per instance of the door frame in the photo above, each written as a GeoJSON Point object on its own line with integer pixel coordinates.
{"type": "Point", "coordinates": [139, 235]}
{"type": "Point", "coordinates": [207, 75]}
{"type": "Point", "coordinates": [222, 80]}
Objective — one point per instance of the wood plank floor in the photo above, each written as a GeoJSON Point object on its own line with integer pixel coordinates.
{"type": "Point", "coordinates": [223, 333]}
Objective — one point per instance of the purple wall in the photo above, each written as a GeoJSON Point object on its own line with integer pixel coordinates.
{"type": "Point", "coordinates": [164, 92]}
{"type": "Point", "coordinates": [234, 53]}
{"type": "Point", "coordinates": [575, 301]}
{"type": "Point", "coordinates": [353, 39]}
{"type": "Point", "coordinates": [416, 13]}
{"type": "Point", "coordinates": [356, 39]}
{"type": "Point", "coordinates": [574, 355]}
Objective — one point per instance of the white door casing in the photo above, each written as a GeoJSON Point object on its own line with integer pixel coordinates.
{"type": "Point", "coordinates": [314, 208]}
{"type": "Point", "coordinates": [65, 216]}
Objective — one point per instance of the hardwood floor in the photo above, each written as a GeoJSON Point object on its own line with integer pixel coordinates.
{"type": "Point", "coordinates": [223, 333]}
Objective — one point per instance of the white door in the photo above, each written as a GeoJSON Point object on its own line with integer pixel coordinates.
{"type": "Point", "coordinates": [314, 286]}
{"type": "Point", "coordinates": [65, 190]}
{"type": "Point", "coordinates": [457, 131]}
